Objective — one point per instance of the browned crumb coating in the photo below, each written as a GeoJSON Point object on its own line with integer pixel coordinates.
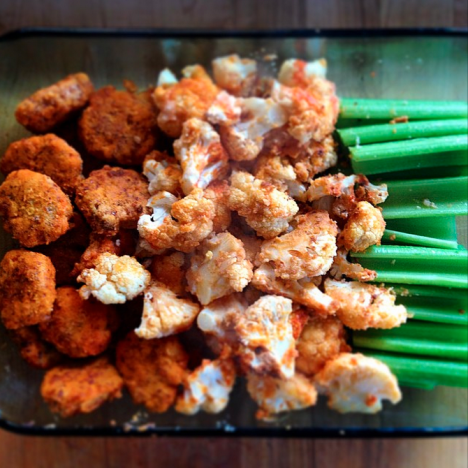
{"type": "Point", "coordinates": [50, 106]}
{"type": "Point", "coordinates": [74, 389]}
{"type": "Point", "coordinates": [48, 155]}
{"type": "Point", "coordinates": [34, 208]}
{"type": "Point", "coordinates": [112, 198]}
{"type": "Point", "coordinates": [170, 269]}
{"type": "Point", "coordinates": [119, 126]}
{"type": "Point", "coordinates": [27, 288]}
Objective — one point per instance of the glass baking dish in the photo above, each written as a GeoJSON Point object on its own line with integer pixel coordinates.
{"type": "Point", "coordinates": [431, 64]}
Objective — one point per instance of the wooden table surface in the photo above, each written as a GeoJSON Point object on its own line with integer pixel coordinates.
{"type": "Point", "coordinates": [20, 452]}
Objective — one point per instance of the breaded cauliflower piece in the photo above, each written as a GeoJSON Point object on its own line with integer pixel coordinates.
{"type": "Point", "coordinates": [79, 328]}
{"type": "Point", "coordinates": [114, 280]}
{"type": "Point", "coordinates": [170, 270]}
{"type": "Point", "coordinates": [218, 268]}
{"type": "Point", "coordinates": [190, 97]}
{"type": "Point", "coordinates": [226, 109]}
{"type": "Point", "coordinates": [208, 387]}
{"type": "Point", "coordinates": [50, 106]}
{"type": "Point", "coordinates": [27, 288]}
{"type": "Point", "coordinates": [265, 208]}
{"type": "Point", "coordinates": [72, 389]}
{"type": "Point", "coordinates": [166, 77]}
{"type": "Point", "coordinates": [274, 395]}
{"type": "Point", "coordinates": [356, 383]}
{"type": "Point", "coordinates": [152, 370]}
{"type": "Point", "coordinates": [163, 173]}
{"type": "Point", "coordinates": [322, 339]}
{"type": "Point", "coordinates": [294, 72]}
{"type": "Point", "coordinates": [364, 306]}
{"type": "Point", "coordinates": [34, 208]}
{"type": "Point", "coordinates": [299, 319]}
{"type": "Point", "coordinates": [179, 224]}
{"type": "Point", "coordinates": [252, 243]}
{"type": "Point", "coordinates": [342, 267]}
{"type": "Point", "coordinates": [306, 251]}
{"type": "Point", "coordinates": [201, 155]}
{"type": "Point", "coordinates": [264, 331]}
{"type": "Point", "coordinates": [164, 313]}
{"type": "Point", "coordinates": [364, 227]}
{"type": "Point", "coordinates": [218, 193]}
{"type": "Point", "coordinates": [235, 75]}
{"type": "Point", "coordinates": [303, 291]}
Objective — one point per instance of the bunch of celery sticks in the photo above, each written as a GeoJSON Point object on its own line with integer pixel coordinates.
{"type": "Point", "coordinates": [422, 157]}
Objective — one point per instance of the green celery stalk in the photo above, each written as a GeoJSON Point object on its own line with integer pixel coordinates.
{"type": "Point", "coordinates": [422, 173]}
{"type": "Point", "coordinates": [441, 228]}
{"type": "Point", "coordinates": [397, 237]}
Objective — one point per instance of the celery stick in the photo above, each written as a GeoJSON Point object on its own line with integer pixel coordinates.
{"type": "Point", "coordinates": [397, 237]}
{"type": "Point", "coordinates": [414, 383]}
{"type": "Point", "coordinates": [389, 109]}
{"type": "Point", "coordinates": [441, 228]}
{"type": "Point", "coordinates": [348, 123]}
{"type": "Point", "coordinates": [422, 173]}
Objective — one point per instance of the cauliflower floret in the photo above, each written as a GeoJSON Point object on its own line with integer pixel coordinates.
{"type": "Point", "coordinates": [306, 251]}
{"type": "Point", "coordinates": [170, 270]}
{"type": "Point", "coordinates": [274, 395]}
{"type": "Point", "coordinates": [234, 74]}
{"type": "Point", "coordinates": [303, 291]}
{"type": "Point", "coordinates": [294, 72]}
{"type": "Point", "coordinates": [208, 387]}
{"type": "Point", "coordinates": [218, 193]}
{"type": "Point", "coordinates": [341, 267]}
{"type": "Point", "coordinates": [114, 280]}
{"type": "Point", "coordinates": [365, 227]}
{"type": "Point", "coordinates": [201, 155]}
{"type": "Point", "coordinates": [266, 209]}
{"type": "Point", "coordinates": [218, 268]}
{"type": "Point", "coordinates": [166, 77]}
{"type": "Point", "coordinates": [162, 172]}
{"type": "Point", "coordinates": [225, 110]}
{"type": "Point", "coordinates": [356, 383]}
{"type": "Point", "coordinates": [364, 306]}
{"type": "Point", "coordinates": [244, 140]}
{"type": "Point", "coordinates": [267, 345]}
{"type": "Point", "coordinates": [164, 313]}
{"type": "Point", "coordinates": [321, 339]}
{"type": "Point", "coordinates": [181, 225]}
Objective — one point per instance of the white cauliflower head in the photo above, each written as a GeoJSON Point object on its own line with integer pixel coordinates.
{"type": "Point", "coordinates": [356, 383]}
{"type": "Point", "coordinates": [225, 110]}
{"type": "Point", "coordinates": [166, 77]}
{"type": "Point", "coordinates": [114, 280]}
{"type": "Point", "coordinates": [234, 74]}
{"type": "Point", "coordinates": [294, 72]}
{"type": "Point", "coordinates": [163, 173]}
{"type": "Point", "coordinates": [342, 267]}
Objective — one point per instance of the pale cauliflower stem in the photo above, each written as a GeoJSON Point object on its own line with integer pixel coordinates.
{"type": "Point", "coordinates": [342, 267]}
{"type": "Point", "coordinates": [208, 387]}
{"type": "Point", "coordinates": [179, 224]}
{"type": "Point", "coordinates": [364, 306]}
{"type": "Point", "coordinates": [266, 209]}
{"type": "Point", "coordinates": [364, 227]}
{"type": "Point", "coordinates": [303, 291]}
{"type": "Point", "coordinates": [306, 251]}
{"type": "Point", "coordinates": [164, 313]}
{"type": "Point", "coordinates": [274, 395]}
{"type": "Point", "coordinates": [356, 383]}
{"type": "Point", "coordinates": [218, 268]}
{"type": "Point", "coordinates": [114, 280]}
{"type": "Point", "coordinates": [163, 173]}
{"type": "Point", "coordinates": [201, 155]}
{"type": "Point", "coordinates": [235, 74]}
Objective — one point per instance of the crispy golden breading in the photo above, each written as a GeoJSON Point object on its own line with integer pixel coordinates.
{"type": "Point", "coordinates": [298, 320]}
{"type": "Point", "coordinates": [33, 349]}
{"type": "Point", "coordinates": [170, 269]}
{"type": "Point", "coordinates": [152, 370]}
{"type": "Point", "coordinates": [74, 389]}
{"type": "Point", "coordinates": [79, 328]}
{"type": "Point", "coordinates": [119, 126]}
{"type": "Point", "coordinates": [218, 193]}
{"type": "Point", "coordinates": [112, 198]}
{"type": "Point", "coordinates": [50, 106]}
{"type": "Point", "coordinates": [48, 155]}
{"type": "Point", "coordinates": [34, 208]}
{"type": "Point", "coordinates": [27, 288]}
{"type": "Point", "coordinates": [163, 173]}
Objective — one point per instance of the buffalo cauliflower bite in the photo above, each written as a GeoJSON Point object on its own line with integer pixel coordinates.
{"type": "Point", "coordinates": [294, 72]}
{"type": "Point", "coordinates": [218, 268]}
{"type": "Point", "coordinates": [114, 280]}
{"type": "Point", "coordinates": [322, 339]}
{"type": "Point", "coordinates": [225, 110]}
{"type": "Point", "coordinates": [363, 306]}
{"type": "Point", "coordinates": [265, 208]}
{"type": "Point", "coordinates": [170, 270]}
{"type": "Point", "coordinates": [73, 389]}
{"type": "Point", "coordinates": [306, 251]}
{"type": "Point", "coordinates": [50, 106]}
{"type": "Point", "coordinates": [112, 198]}
{"type": "Point", "coordinates": [299, 319]}
{"type": "Point", "coordinates": [179, 224]}
{"type": "Point", "coordinates": [235, 75]}
{"type": "Point", "coordinates": [164, 313]}
{"type": "Point", "coordinates": [356, 383]}
{"type": "Point", "coordinates": [274, 395]}
{"type": "Point", "coordinates": [218, 193]}
{"type": "Point", "coordinates": [152, 370]}
{"type": "Point", "coordinates": [27, 288]}
{"type": "Point", "coordinates": [79, 328]}
{"type": "Point", "coordinates": [342, 267]}
{"type": "Point", "coordinates": [163, 173]}
{"type": "Point", "coordinates": [364, 227]}
{"type": "Point", "coordinates": [208, 387]}
{"type": "Point", "coordinates": [201, 155]}
{"type": "Point", "coordinates": [166, 77]}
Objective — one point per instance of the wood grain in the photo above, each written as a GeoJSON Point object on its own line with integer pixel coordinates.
{"type": "Point", "coordinates": [25, 452]}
